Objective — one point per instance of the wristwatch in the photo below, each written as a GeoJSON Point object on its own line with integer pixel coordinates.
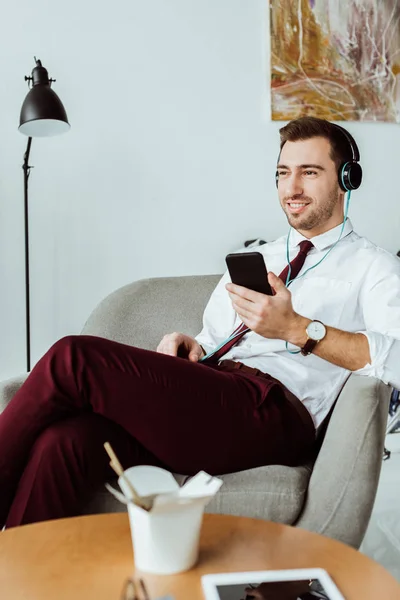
{"type": "Point", "coordinates": [316, 331]}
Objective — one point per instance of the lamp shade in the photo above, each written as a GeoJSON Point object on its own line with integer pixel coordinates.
{"type": "Point", "coordinates": [42, 113]}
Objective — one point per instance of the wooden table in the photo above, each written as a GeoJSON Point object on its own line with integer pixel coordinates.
{"type": "Point", "coordinates": [88, 558]}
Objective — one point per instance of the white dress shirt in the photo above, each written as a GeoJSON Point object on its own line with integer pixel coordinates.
{"type": "Point", "coordinates": [356, 289]}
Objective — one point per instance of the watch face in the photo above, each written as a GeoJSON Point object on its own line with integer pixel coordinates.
{"type": "Point", "coordinates": [316, 330]}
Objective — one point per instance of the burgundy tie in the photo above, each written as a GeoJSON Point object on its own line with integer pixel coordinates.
{"type": "Point", "coordinates": [295, 268]}
{"type": "Point", "coordinates": [297, 262]}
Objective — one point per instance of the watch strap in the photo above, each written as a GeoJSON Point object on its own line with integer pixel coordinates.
{"type": "Point", "coordinates": [308, 347]}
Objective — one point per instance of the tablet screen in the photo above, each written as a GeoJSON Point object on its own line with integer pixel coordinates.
{"type": "Point", "coordinates": [301, 589]}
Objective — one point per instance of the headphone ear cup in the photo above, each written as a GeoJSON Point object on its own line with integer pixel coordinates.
{"type": "Point", "coordinates": [276, 178]}
{"type": "Point", "coordinates": [350, 176]}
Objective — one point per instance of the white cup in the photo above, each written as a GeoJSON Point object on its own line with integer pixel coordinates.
{"type": "Point", "coordinates": [166, 542]}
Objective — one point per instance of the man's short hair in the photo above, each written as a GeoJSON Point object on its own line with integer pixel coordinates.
{"type": "Point", "coordinates": [305, 128]}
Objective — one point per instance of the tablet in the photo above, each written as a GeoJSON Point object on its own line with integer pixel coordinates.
{"type": "Point", "coordinates": [291, 584]}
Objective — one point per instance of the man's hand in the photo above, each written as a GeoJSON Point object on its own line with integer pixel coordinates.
{"type": "Point", "coordinates": [273, 317]}
{"type": "Point", "coordinates": [179, 344]}
{"type": "Point", "coordinates": [270, 316]}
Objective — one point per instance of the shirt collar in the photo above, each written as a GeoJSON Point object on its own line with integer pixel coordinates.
{"type": "Point", "coordinates": [324, 240]}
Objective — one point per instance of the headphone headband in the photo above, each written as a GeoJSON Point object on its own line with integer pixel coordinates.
{"type": "Point", "coordinates": [351, 142]}
{"type": "Point", "coordinates": [350, 172]}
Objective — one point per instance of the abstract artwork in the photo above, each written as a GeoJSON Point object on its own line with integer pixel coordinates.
{"type": "Point", "coordinates": [335, 59]}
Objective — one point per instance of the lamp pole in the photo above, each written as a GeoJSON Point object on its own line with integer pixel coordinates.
{"type": "Point", "coordinates": [42, 115]}
{"type": "Point", "coordinates": [26, 168]}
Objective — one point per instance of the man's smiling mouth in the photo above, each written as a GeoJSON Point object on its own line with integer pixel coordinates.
{"type": "Point", "coordinates": [297, 207]}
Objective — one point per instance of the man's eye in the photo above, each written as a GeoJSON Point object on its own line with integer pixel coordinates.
{"type": "Point", "coordinates": [282, 173]}
{"type": "Point", "coordinates": [310, 172]}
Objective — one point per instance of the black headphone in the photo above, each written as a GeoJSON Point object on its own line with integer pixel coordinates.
{"type": "Point", "coordinates": [350, 172]}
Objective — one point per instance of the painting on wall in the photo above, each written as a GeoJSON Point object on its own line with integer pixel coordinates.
{"type": "Point", "coordinates": [335, 59]}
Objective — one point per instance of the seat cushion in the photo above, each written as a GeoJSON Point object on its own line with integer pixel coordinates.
{"type": "Point", "coordinates": [275, 493]}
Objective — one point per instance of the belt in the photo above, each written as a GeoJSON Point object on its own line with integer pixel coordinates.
{"type": "Point", "coordinates": [233, 365]}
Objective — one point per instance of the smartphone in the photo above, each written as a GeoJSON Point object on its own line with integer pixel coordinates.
{"type": "Point", "coordinates": [248, 270]}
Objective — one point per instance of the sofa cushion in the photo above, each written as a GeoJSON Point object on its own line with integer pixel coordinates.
{"type": "Point", "coordinates": [274, 493]}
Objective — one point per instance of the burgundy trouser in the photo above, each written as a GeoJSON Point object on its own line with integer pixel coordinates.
{"type": "Point", "coordinates": [153, 409]}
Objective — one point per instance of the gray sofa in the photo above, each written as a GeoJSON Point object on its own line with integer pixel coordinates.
{"type": "Point", "coordinates": [334, 495]}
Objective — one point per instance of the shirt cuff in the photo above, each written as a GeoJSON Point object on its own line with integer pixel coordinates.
{"type": "Point", "coordinates": [379, 347]}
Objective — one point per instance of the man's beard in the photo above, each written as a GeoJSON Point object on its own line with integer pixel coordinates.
{"type": "Point", "coordinates": [316, 216]}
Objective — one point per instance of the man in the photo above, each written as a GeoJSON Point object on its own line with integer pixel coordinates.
{"type": "Point", "coordinates": [261, 402]}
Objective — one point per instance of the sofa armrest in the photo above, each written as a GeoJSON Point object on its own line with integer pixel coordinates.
{"type": "Point", "coordinates": [8, 389]}
{"type": "Point", "coordinates": [345, 476]}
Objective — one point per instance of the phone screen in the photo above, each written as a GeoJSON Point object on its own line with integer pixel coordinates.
{"type": "Point", "coordinates": [301, 589]}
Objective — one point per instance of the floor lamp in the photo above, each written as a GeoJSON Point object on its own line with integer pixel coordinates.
{"type": "Point", "coordinates": [42, 115]}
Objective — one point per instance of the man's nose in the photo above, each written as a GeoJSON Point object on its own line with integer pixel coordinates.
{"type": "Point", "coordinates": [293, 185]}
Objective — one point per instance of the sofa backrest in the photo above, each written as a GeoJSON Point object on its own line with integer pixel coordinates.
{"type": "Point", "coordinates": [142, 312]}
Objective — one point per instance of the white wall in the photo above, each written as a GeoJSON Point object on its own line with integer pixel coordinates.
{"type": "Point", "coordinates": [169, 163]}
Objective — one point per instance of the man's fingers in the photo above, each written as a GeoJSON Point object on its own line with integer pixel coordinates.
{"type": "Point", "coordinates": [169, 344]}
{"type": "Point", "coordinates": [242, 308]}
{"type": "Point", "coordinates": [194, 355]}
{"type": "Point", "coordinates": [171, 351]}
{"type": "Point", "coordinates": [239, 301]}
{"type": "Point", "coordinates": [276, 282]}
{"type": "Point", "coordinates": [244, 315]}
{"type": "Point", "coordinates": [243, 292]}
{"type": "Point", "coordinates": [178, 343]}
